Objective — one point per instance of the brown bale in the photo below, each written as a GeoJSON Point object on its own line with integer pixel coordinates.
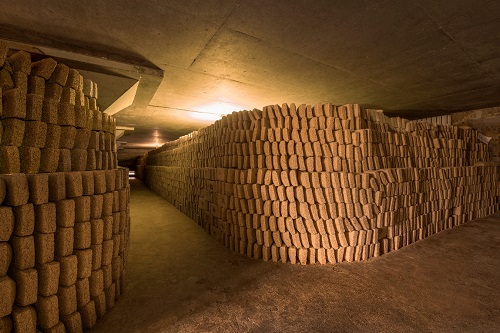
{"type": "Point", "coordinates": [47, 308]}
{"type": "Point", "coordinates": [43, 68]}
{"type": "Point", "coordinates": [30, 159]}
{"type": "Point", "coordinates": [82, 209]}
{"type": "Point", "coordinates": [34, 107]}
{"type": "Point", "coordinates": [57, 328]}
{"type": "Point", "coordinates": [26, 285]}
{"type": "Point", "coordinates": [73, 322]}
{"type": "Point", "coordinates": [96, 282]}
{"type": "Point", "coordinates": [6, 324]}
{"type": "Point", "coordinates": [64, 164]}
{"type": "Point", "coordinates": [68, 270]}
{"type": "Point", "coordinates": [64, 241]}
{"type": "Point", "coordinates": [49, 160]}
{"type": "Point", "coordinates": [100, 304]}
{"type": "Point", "coordinates": [35, 134]}
{"type": "Point", "coordinates": [67, 300]}
{"type": "Point", "coordinates": [13, 132]}
{"type": "Point", "coordinates": [96, 202]}
{"type": "Point", "coordinates": [83, 235]}
{"type": "Point", "coordinates": [14, 103]}
{"type": "Point", "coordinates": [7, 225]}
{"type": "Point", "coordinates": [97, 226]}
{"type": "Point", "coordinates": [88, 182]}
{"type": "Point", "coordinates": [24, 319]}
{"type": "Point", "coordinates": [10, 160]}
{"type": "Point", "coordinates": [65, 213]}
{"type": "Point", "coordinates": [89, 316]}
{"type": "Point", "coordinates": [84, 263]}
{"type": "Point", "coordinates": [82, 292]}
{"type": "Point", "coordinates": [49, 114]}
{"type": "Point", "coordinates": [74, 186]}
{"type": "Point", "coordinates": [7, 295]}
{"type": "Point", "coordinates": [57, 186]}
{"type": "Point", "coordinates": [59, 75]}
{"type": "Point", "coordinates": [23, 252]}
{"type": "Point", "coordinates": [6, 257]}
{"type": "Point", "coordinates": [78, 160]}
{"type": "Point", "coordinates": [36, 86]}
{"type": "Point", "coordinates": [46, 217]}
{"type": "Point", "coordinates": [48, 278]}
{"type": "Point", "coordinates": [39, 188]}
{"type": "Point", "coordinates": [24, 220]}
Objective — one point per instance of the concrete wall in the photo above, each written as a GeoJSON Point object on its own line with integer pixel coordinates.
{"type": "Point", "coordinates": [64, 205]}
{"type": "Point", "coordinates": [324, 184]}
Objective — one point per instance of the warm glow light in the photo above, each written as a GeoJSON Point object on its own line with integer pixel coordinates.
{"type": "Point", "coordinates": [214, 111]}
{"type": "Point", "coordinates": [219, 108]}
{"type": "Point", "coordinates": [205, 116]}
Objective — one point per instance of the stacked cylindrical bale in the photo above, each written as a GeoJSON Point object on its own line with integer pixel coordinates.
{"type": "Point", "coordinates": [64, 225]}
{"type": "Point", "coordinates": [50, 120]}
{"type": "Point", "coordinates": [323, 183]}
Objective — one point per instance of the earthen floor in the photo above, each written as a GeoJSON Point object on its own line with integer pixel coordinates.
{"type": "Point", "coordinates": [182, 280]}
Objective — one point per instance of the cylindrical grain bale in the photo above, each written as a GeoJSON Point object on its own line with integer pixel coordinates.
{"type": "Point", "coordinates": [14, 103]}
{"type": "Point", "coordinates": [49, 160]}
{"type": "Point", "coordinates": [88, 182]}
{"type": "Point", "coordinates": [96, 256]}
{"type": "Point", "coordinates": [29, 159]}
{"type": "Point", "coordinates": [68, 270]}
{"type": "Point", "coordinates": [84, 263]}
{"type": "Point", "coordinates": [7, 295]}
{"type": "Point", "coordinates": [26, 285]}
{"type": "Point", "coordinates": [82, 209]}
{"type": "Point", "coordinates": [7, 225]}
{"type": "Point", "coordinates": [17, 189]}
{"type": "Point", "coordinates": [65, 210]}
{"type": "Point", "coordinates": [48, 278]}
{"type": "Point", "coordinates": [89, 316]}
{"type": "Point", "coordinates": [44, 247]}
{"type": "Point", "coordinates": [45, 217]}
{"type": "Point", "coordinates": [64, 164]}
{"type": "Point", "coordinates": [72, 322]}
{"type": "Point", "coordinates": [10, 161]}
{"type": "Point", "coordinates": [100, 304]}
{"type": "Point", "coordinates": [43, 68]}
{"type": "Point", "coordinates": [39, 188]}
{"type": "Point", "coordinates": [108, 222]}
{"type": "Point", "coordinates": [24, 220]}
{"type": "Point", "coordinates": [96, 202]}
{"type": "Point", "coordinates": [47, 308]}
{"type": "Point", "coordinates": [23, 252]}
{"type": "Point", "coordinates": [74, 187]}
{"type": "Point", "coordinates": [67, 300]}
{"type": "Point", "coordinates": [64, 241]}
{"type": "Point", "coordinates": [82, 292]}
{"type": "Point", "coordinates": [57, 187]}
{"type": "Point", "coordinates": [83, 235]}
{"type": "Point", "coordinates": [96, 282]}
{"type": "Point", "coordinates": [6, 257]}
{"type": "Point", "coordinates": [24, 319]}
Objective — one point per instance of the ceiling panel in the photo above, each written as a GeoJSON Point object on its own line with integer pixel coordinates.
{"type": "Point", "coordinates": [412, 58]}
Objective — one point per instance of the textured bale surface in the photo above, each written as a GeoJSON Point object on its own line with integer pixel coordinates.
{"type": "Point", "coordinates": [51, 225]}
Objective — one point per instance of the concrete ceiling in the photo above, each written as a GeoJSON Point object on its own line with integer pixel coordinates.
{"type": "Point", "coordinates": [413, 58]}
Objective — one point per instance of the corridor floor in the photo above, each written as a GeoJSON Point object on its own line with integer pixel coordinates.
{"type": "Point", "coordinates": [182, 280]}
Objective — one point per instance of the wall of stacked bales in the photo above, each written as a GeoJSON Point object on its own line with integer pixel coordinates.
{"type": "Point", "coordinates": [324, 183]}
{"type": "Point", "coordinates": [64, 204]}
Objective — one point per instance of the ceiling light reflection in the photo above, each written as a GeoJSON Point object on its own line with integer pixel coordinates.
{"type": "Point", "coordinates": [205, 116]}
{"type": "Point", "coordinates": [220, 108]}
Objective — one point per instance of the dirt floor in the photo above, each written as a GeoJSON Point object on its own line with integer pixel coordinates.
{"type": "Point", "coordinates": [182, 280]}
